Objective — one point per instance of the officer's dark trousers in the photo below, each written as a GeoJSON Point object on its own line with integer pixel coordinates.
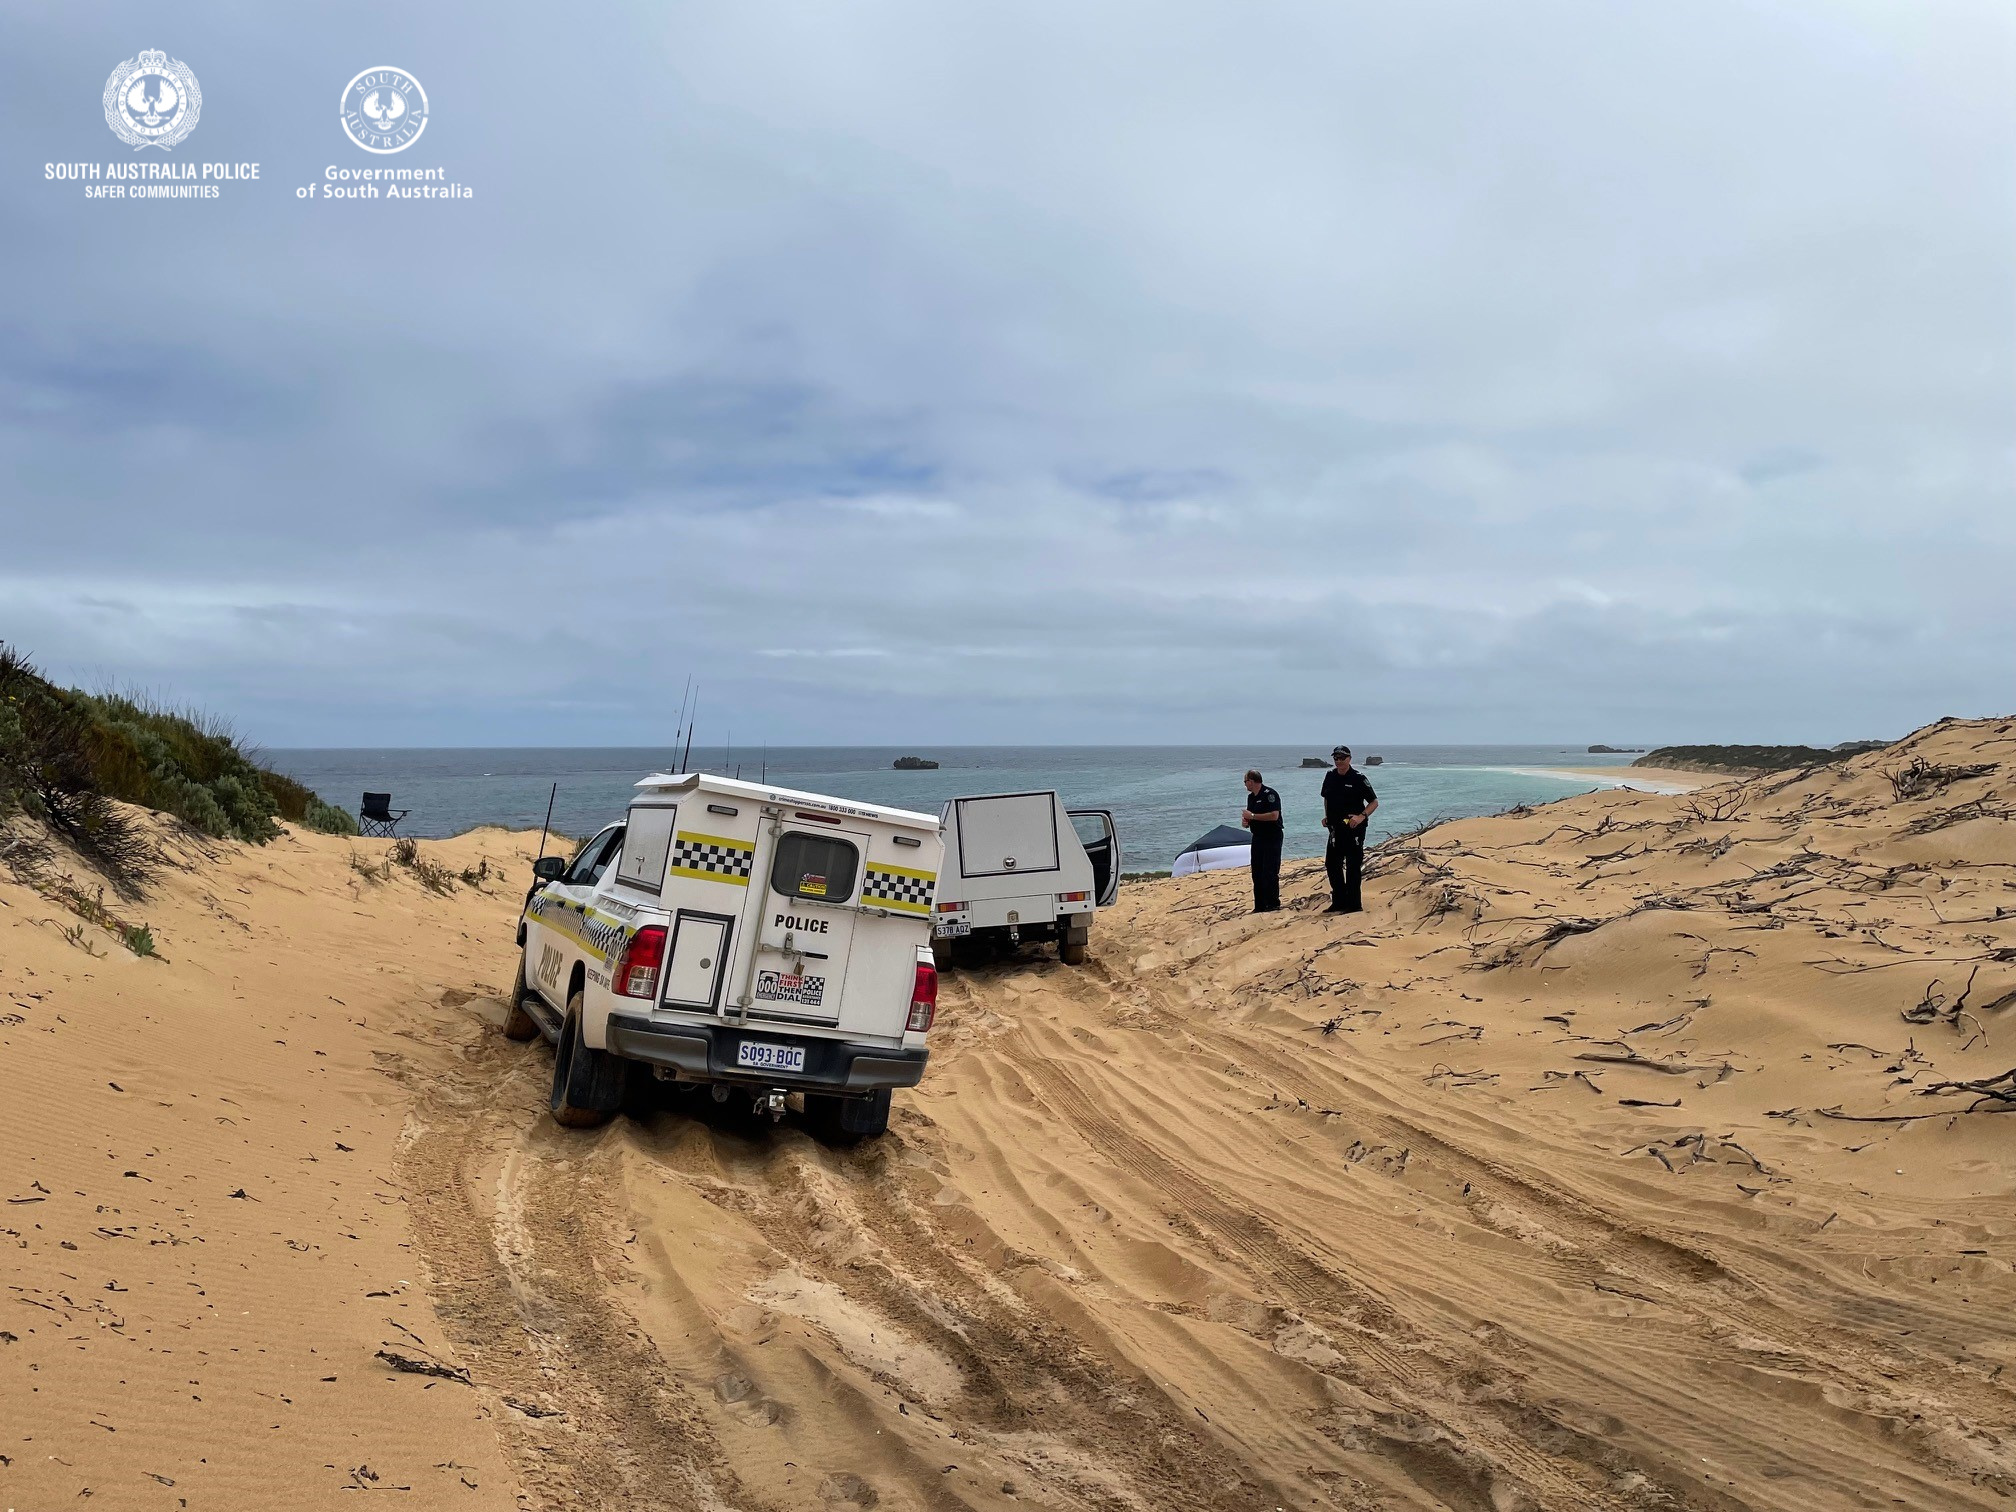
{"type": "Point", "coordinates": [1266, 867]}
{"type": "Point", "coordinates": [1344, 860]}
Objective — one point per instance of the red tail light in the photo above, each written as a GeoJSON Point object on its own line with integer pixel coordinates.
{"type": "Point", "coordinates": [923, 998]}
{"type": "Point", "coordinates": [638, 975]}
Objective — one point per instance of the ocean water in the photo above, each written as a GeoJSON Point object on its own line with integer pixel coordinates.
{"type": "Point", "coordinates": [1162, 797]}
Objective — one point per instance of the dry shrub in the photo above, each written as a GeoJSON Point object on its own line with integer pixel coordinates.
{"type": "Point", "coordinates": [1919, 778]}
{"type": "Point", "coordinates": [433, 876]}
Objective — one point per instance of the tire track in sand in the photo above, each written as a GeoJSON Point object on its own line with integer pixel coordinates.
{"type": "Point", "coordinates": [1505, 1471]}
{"type": "Point", "coordinates": [1896, 1396]}
{"type": "Point", "coordinates": [518, 1234]}
{"type": "Point", "coordinates": [1949, 1418]}
{"type": "Point", "coordinates": [1055, 1405]}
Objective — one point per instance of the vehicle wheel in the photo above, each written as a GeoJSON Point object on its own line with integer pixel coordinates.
{"type": "Point", "coordinates": [960, 951]}
{"type": "Point", "coordinates": [588, 1085]}
{"type": "Point", "coordinates": [865, 1117]}
{"type": "Point", "coordinates": [643, 1094]}
{"type": "Point", "coordinates": [843, 1120]}
{"type": "Point", "coordinates": [1072, 943]}
{"type": "Point", "coordinates": [822, 1117]}
{"type": "Point", "coordinates": [518, 1021]}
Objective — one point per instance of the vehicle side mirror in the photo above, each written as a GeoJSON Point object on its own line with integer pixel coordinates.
{"type": "Point", "coordinates": [550, 868]}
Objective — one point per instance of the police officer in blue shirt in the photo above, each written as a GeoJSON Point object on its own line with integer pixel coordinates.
{"type": "Point", "coordinates": [1262, 818]}
{"type": "Point", "coordinates": [1348, 805]}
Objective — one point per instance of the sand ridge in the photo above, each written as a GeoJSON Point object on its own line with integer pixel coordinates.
{"type": "Point", "coordinates": [1612, 1159]}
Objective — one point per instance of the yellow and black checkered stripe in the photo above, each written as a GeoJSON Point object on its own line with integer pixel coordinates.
{"type": "Point", "coordinates": [899, 887]}
{"type": "Point", "coordinates": [595, 932]}
{"type": "Point", "coordinates": [712, 859]}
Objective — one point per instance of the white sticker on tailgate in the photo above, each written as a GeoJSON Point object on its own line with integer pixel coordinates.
{"type": "Point", "coordinates": [790, 987]}
{"type": "Point", "coordinates": [766, 1055]}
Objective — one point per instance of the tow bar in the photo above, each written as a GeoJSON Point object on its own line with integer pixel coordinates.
{"type": "Point", "coordinates": [767, 1101]}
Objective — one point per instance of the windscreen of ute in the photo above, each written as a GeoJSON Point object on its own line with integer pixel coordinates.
{"type": "Point", "coordinates": [817, 868]}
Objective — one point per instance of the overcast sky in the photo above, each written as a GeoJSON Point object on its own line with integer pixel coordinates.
{"type": "Point", "coordinates": [1030, 372]}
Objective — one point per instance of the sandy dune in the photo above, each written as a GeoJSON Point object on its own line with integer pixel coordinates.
{"type": "Point", "coordinates": [1543, 1184]}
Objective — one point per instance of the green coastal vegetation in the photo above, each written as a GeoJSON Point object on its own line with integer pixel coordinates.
{"type": "Point", "coordinates": [69, 758]}
{"type": "Point", "coordinates": [1745, 760]}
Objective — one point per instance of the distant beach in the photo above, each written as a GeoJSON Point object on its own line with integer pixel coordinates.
{"type": "Point", "coordinates": [1636, 779]}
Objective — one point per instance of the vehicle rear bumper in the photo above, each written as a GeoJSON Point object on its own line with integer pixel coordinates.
{"type": "Point", "coordinates": [706, 1052]}
{"type": "Point", "coordinates": [992, 913]}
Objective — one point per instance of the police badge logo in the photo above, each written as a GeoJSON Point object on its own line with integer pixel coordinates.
{"type": "Point", "coordinates": [152, 101]}
{"type": "Point", "coordinates": [384, 110]}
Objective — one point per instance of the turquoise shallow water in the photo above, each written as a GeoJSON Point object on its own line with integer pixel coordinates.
{"type": "Point", "coordinates": [1162, 797]}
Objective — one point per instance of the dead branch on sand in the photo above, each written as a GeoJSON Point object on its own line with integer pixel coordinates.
{"type": "Point", "coordinates": [1695, 1148]}
{"type": "Point", "coordinates": [1467, 1032]}
{"type": "Point", "coordinates": [1450, 1076]}
{"type": "Point", "coordinates": [1625, 1055]}
{"type": "Point", "coordinates": [1557, 929]}
{"type": "Point", "coordinates": [1839, 967]}
{"type": "Point", "coordinates": [1714, 847]}
{"type": "Point", "coordinates": [1997, 1094]}
{"type": "Point", "coordinates": [1919, 778]}
{"type": "Point", "coordinates": [1708, 956]}
{"type": "Point", "coordinates": [1933, 1009]}
{"type": "Point", "coordinates": [1960, 813]}
{"type": "Point", "coordinates": [1836, 1114]}
{"type": "Point", "coordinates": [1716, 805]}
{"type": "Point", "coordinates": [412, 1366]}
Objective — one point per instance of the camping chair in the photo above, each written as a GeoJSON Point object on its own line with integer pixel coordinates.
{"type": "Point", "coordinates": [376, 816]}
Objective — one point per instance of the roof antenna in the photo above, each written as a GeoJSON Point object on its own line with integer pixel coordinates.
{"type": "Point", "coordinates": [547, 825]}
{"type": "Point", "coordinates": [765, 777]}
{"type": "Point", "coordinates": [679, 729]}
{"type": "Point", "coordinates": [689, 731]}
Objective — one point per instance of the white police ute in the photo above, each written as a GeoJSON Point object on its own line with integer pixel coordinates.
{"type": "Point", "coordinates": [1021, 866]}
{"type": "Point", "coordinates": [757, 939]}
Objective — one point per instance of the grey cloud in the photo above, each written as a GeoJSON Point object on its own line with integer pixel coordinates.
{"type": "Point", "coordinates": [1035, 372]}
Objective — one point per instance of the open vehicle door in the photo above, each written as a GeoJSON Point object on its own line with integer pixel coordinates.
{"type": "Point", "coordinates": [1101, 839]}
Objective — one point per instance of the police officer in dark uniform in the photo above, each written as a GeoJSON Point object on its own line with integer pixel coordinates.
{"type": "Point", "coordinates": [1262, 818]}
{"type": "Point", "coordinates": [1348, 804]}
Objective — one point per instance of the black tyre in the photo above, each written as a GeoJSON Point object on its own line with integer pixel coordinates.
{"type": "Point", "coordinates": [963, 951]}
{"type": "Point", "coordinates": [643, 1093]}
{"type": "Point", "coordinates": [588, 1085]}
{"type": "Point", "coordinates": [1072, 945]}
{"type": "Point", "coordinates": [518, 1021]}
{"type": "Point", "coordinates": [843, 1120]}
